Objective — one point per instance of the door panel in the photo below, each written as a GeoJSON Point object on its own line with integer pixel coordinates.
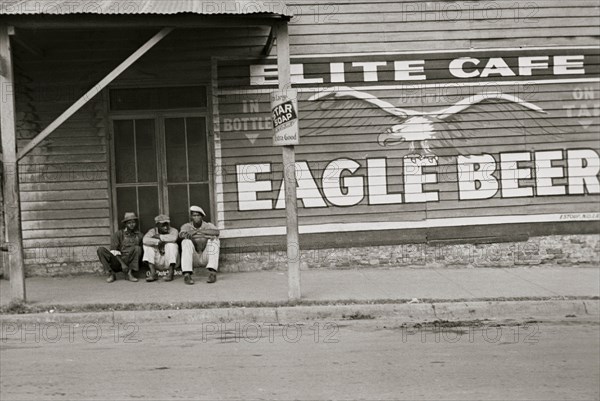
{"type": "Point", "coordinates": [136, 169]}
{"type": "Point", "coordinates": [124, 146]}
{"type": "Point", "coordinates": [149, 182]}
{"type": "Point", "coordinates": [145, 139]}
{"type": "Point", "coordinates": [187, 166]}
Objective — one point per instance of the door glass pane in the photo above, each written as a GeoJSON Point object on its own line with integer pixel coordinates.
{"type": "Point", "coordinates": [148, 199]}
{"type": "Point", "coordinates": [136, 162]}
{"type": "Point", "coordinates": [146, 150]}
{"type": "Point", "coordinates": [124, 150]}
{"type": "Point", "coordinates": [197, 151]}
{"type": "Point", "coordinates": [126, 202]}
{"type": "Point", "coordinates": [178, 205]}
{"type": "Point", "coordinates": [176, 154]}
{"type": "Point", "coordinates": [200, 196]}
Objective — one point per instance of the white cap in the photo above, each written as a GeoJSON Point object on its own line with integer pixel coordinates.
{"type": "Point", "coordinates": [197, 209]}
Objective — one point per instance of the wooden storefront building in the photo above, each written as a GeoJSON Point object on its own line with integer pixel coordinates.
{"type": "Point", "coordinates": [456, 122]}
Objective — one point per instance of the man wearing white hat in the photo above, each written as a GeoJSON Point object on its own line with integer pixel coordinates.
{"type": "Point", "coordinates": [125, 250]}
{"type": "Point", "coordinates": [160, 248]}
{"type": "Point", "coordinates": [200, 246]}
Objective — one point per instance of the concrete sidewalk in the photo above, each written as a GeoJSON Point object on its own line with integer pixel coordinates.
{"type": "Point", "coordinates": [318, 287]}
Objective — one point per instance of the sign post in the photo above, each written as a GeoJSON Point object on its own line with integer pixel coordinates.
{"type": "Point", "coordinates": [284, 108]}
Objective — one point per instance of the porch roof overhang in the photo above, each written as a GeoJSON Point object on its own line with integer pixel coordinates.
{"type": "Point", "coordinates": [165, 15]}
{"type": "Point", "coordinates": [143, 7]}
{"type": "Point", "coordinates": [90, 21]}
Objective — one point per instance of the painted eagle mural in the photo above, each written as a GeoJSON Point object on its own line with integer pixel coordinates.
{"type": "Point", "coordinates": [426, 131]}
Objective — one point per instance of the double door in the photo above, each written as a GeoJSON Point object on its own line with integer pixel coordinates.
{"type": "Point", "coordinates": [160, 166]}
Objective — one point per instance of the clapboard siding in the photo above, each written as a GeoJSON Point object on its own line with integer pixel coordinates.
{"type": "Point", "coordinates": [57, 175]}
{"type": "Point", "coordinates": [333, 129]}
{"type": "Point", "coordinates": [337, 27]}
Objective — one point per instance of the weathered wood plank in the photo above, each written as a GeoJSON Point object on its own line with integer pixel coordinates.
{"type": "Point", "coordinates": [62, 242]}
{"type": "Point", "coordinates": [65, 224]}
{"type": "Point", "coordinates": [66, 195]}
{"type": "Point", "coordinates": [65, 205]}
{"type": "Point", "coordinates": [65, 233]}
{"type": "Point", "coordinates": [63, 186]}
{"type": "Point", "coordinates": [41, 216]}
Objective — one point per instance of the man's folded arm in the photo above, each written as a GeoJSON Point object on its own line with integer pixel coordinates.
{"type": "Point", "coordinates": [171, 236]}
{"type": "Point", "coordinates": [149, 239]}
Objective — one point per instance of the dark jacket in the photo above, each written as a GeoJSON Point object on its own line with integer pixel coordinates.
{"type": "Point", "coordinates": [125, 241]}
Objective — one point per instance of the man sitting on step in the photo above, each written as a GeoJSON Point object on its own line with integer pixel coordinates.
{"type": "Point", "coordinates": [200, 246]}
{"type": "Point", "coordinates": [125, 250]}
{"type": "Point", "coordinates": [160, 248]}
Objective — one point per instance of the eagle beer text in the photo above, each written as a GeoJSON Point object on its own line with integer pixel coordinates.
{"type": "Point", "coordinates": [345, 182]}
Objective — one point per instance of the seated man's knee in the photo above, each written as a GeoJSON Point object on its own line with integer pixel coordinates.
{"type": "Point", "coordinates": [171, 246]}
{"type": "Point", "coordinates": [101, 251]}
{"type": "Point", "coordinates": [171, 249]}
{"type": "Point", "coordinates": [148, 253]}
{"type": "Point", "coordinates": [213, 245]}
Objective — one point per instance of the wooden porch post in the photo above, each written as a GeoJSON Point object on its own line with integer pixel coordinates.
{"type": "Point", "coordinates": [289, 172]}
{"type": "Point", "coordinates": [10, 189]}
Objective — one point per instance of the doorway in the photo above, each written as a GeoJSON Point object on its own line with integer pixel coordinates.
{"type": "Point", "coordinates": [160, 166]}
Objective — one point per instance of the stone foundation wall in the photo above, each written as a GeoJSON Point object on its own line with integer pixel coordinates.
{"type": "Point", "coordinates": [559, 250]}
{"type": "Point", "coordinates": [571, 250]}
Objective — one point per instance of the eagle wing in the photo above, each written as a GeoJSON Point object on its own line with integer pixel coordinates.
{"type": "Point", "coordinates": [491, 120]}
{"type": "Point", "coordinates": [347, 109]}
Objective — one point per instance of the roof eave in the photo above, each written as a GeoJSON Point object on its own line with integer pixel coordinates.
{"type": "Point", "coordinates": [182, 20]}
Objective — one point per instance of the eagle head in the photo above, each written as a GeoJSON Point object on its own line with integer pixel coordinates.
{"type": "Point", "coordinates": [416, 128]}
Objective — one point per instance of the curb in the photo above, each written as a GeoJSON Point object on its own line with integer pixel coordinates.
{"type": "Point", "coordinates": [418, 312]}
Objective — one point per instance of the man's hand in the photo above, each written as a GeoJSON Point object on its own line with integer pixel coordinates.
{"type": "Point", "coordinates": [188, 234]}
{"type": "Point", "coordinates": [124, 266]}
{"type": "Point", "coordinates": [161, 247]}
{"type": "Point", "coordinates": [156, 236]}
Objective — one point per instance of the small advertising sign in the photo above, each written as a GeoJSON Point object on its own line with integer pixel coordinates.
{"type": "Point", "coordinates": [284, 112]}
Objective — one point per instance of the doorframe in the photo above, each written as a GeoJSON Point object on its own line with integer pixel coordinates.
{"type": "Point", "coordinates": [158, 116]}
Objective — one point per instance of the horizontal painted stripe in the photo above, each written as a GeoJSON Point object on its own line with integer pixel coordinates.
{"type": "Point", "coordinates": [405, 225]}
{"type": "Point", "coordinates": [263, 90]}
{"type": "Point", "coordinates": [337, 55]}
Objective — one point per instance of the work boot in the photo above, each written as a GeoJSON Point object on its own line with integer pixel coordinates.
{"type": "Point", "coordinates": [187, 278]}
{"type": "Point", "coordinates": [212, 277]}
{"type": "Point", "coordinates": [153, 275]}
{"type": "Point", "coordinates": [169, 275]}
{"type": "Point", "coordinates": [111, 278]}
{"type": "Point", "coordinates": [131, 277]}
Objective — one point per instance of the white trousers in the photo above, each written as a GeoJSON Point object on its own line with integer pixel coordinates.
{"type": "Point", "coordinates": [209, 257]}
{"type": "Point", "coordinates": [161, 262]}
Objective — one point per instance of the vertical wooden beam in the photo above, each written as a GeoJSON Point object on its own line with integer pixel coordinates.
{"type": "Point", "coordinates": [10, 171]}
{"type": "Point", "coordinates": [289, 172]}
{"type": "Point", "coordinates": [3, 242]}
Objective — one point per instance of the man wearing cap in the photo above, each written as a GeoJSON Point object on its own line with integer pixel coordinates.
{"type": "Point", "coordinates": [200, 246]}
{"type": "Point", "coordinates": [160, 248]}
{"type": "Point", "coordinates": [125, 250]}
